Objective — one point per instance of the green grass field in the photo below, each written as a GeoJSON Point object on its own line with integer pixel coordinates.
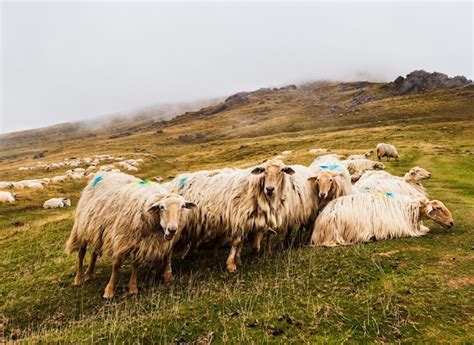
{"type": "Point", "coordinates": [417, 290]}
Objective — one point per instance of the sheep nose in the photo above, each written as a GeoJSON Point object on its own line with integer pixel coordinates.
{"type": "Point", "coordinates": [450, 225]}
{"type": "Point", "coordinates": [323, 195]}
{"type": "Point", "coordinates": [429, 175]}
{"type": "Point", "coordinates": [172, 229]}
{"type": "Point", "coordinates": [270, 190]}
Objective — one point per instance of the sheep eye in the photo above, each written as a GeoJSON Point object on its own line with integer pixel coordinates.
{"type": "Point", "coordinates": [162, 207]}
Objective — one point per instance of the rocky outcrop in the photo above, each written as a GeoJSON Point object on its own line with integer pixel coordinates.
{"type": "Point", "coordinates": [419, 81]}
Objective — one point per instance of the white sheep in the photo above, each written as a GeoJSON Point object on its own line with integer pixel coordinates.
{"type": "Point", "coordinates": [7, 197]}
{"type": "Point", "coordinates": [118, 215]}
{"type": "Point", "coordinates": [362, 156]}
{"type": "Point", "coordinates": [363, 164]}
{"type": "Point", "coordinates": [364, 217]}
{"type": "Point", "coordinates": [6, 185]}
{"type": "Point", "coordinates": [59, 179]}
{"type": "Point", "coordinates": [381, 181]}
{"type": "Point", "coordinates": [57, 203]}
{"type": "Point", "coordinates": [387, 150]}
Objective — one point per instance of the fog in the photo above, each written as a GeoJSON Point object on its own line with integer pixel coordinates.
{"type": "Point", "coordinates": [74, 61]}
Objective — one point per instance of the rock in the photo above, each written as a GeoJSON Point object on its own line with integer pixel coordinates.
{"type": "Point", "coordinates": [360, 98]}
{"type": "Point", "coordinates": [419, 81]}
{"type": "Point", "coordinates": [243, 146]}
{"type": "Point", "coordinates": [187, 138]}
{"type": "Point", "coordinates": [39, 154]}
{"type": "Point", "coordinates": [121, 135]}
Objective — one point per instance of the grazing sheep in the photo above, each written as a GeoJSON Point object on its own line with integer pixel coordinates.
{"type": "Point", "coordinates": [7, 197]}
{"type": "Point", "coordinates": [363, 156]}
{"type": "Point", "coordinates": [119, 215]}
{"type": "Point", "coordinates": [381, 181]}
{"type": "Point", "coordinates": [57, 203]}
{"type": "Point", "coordinates": [364, 217]}
{"type": "Point", "coordinates": [235, 202]}
{"type": "Point", "coordinates": [387, 150]}
{"type": "Point", "coordinates": [331, 178]}
{"type": "Point", "coordinates": [362, 164]}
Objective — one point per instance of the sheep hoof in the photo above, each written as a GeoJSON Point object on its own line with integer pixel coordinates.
{"type": "Point", "coordinates": [88, 277]}
{"type": "Point", "coordinates": [108, 293]}
{"type": "Point", "coordinates": [77, 281]}
{"type": "Point", "coordinates": [231, 268]}
{"type": "Point", "coordinates": [168, 278]}
{"type": "Point", "coordinates": [133, 290]}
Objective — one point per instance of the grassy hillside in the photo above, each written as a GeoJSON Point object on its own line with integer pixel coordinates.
{"type": "Point", "coordinates": [411, 290]}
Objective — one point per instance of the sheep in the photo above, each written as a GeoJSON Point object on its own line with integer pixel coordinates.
{"type": "Point", "coordinates": [357, 175]}
{"type": "Point", "coordinates": [91, 168]}
{"type": "Point", "coordinates": [287, 153]}
{"type": "Point", "coordinates": [381, 181]}
{"type": "Point", "coordinates": [362, 164]}
{"type": "Point", "coordinates": [6, 185]}
{"type": "Point", "coordinates": [318, 151]}
{"type": "Point", "coordinates": [57, 203]}
{"type": "Point", "coordinates": [331, 179]}
{"type": "Point", "coordinates": [131, 168]}
{"type": "Point", "coordinates": [120, 215]}
{"type": "Point", "coordinates": [33, 184]}
{"type": "Point", "coordinates": [387, 150]}
{"type": "Point", "coordinates": [107, 167]}
{"type": "Point", "coordinates": [362, 156]}
{"type": "Point", "coordinates": [59, 179]}
{"type": "Point", "coordinates": [363, 217]}
{"type": "Point", "coordinates": [234, 202]}
{"type": "Point", "coordinates": [7, 197]}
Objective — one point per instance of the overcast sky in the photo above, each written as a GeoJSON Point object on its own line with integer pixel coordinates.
{"type": "Point", "coordinates": [72, 61]}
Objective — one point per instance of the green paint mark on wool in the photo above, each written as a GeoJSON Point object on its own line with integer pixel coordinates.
{"type": "Point", "coordinates": [97, 180]}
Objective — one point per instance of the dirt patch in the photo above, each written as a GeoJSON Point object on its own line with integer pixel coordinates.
{"type": "Point", "coordinates": [460, 282]}
{"type": "Point", "coordinates": [388, 254]}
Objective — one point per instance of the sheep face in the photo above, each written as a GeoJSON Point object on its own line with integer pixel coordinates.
{"type": "Point", "coordinates": [438, 212]}
{"type": "Point", "coordinates": [66, 203]}
{"type": "Point", "coordinates": [418, 174]}
{"type": "Point", "coordinates": [272, 175]}
{"type": "Point", "coordinates": [379, 166]}
{"type": "Point", "coordinates": [324, 182]}
{"type": "Point", "coordinates": [172, 210]}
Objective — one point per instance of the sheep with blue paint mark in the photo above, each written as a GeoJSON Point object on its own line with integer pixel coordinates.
{"type": "Point", "coordinates": [118, 216]}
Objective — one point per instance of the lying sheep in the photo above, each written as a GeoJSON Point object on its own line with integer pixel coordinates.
{"type": "Point", "coordinates": [331, 179]}
{"type": "Point", "coordinates": [57, 203]}
{"type": "Point", "coordinates": [6, 185]}
{"type": "Point", "coordinates": [120, 215]}
{"type": "Point", "coordinates": [7, 197]}
{"type": "Point", "coordinates": [364, 217]}
{"type": "Point", "coordinates": [362, 156]}
{"type": "Point", "coordinates": [59, 179]}
{"type": "Point", "coordinates": [381, 181]}
{"type": "Point", "coordinates": [362, 164]}
{"type": "Point", "coordinates": [387, 150]}
{"type": "Point", "coordinates": [235, 202]}
{"type": "Point", "coordinates": [318, 151]}
{"type": "Point", "coordinates": [287, 153]}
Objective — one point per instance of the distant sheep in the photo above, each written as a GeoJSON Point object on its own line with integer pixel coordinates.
{"type": "Point", "coordinates": [364, 217]}
{"type": "Point", "coordinates": [118, 215]}
{"type": "Point", "coordinates": [362, 164]}
{"type": "Point", "coordinates": [387, 150]}
{"type": "Point", "coordinates": [59, 179]}
{"type": "Point", "coordinates": [318, 151]}
{"type": "Point", "coordinates": [6, 197]}
{"type": "Point", "coordinates": [57, 203]}
{"type": "Point", "coordinates": [287, 153]}
{"type": "Point", "coordinates": [363, 156]}
{"type": "Point", "coordinates": [6, 185]}
{"type": "Point", "coordinates": [381, 181]}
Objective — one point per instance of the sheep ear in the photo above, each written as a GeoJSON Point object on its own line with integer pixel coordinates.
{"type": "Point", "coordinates": [312, 178]}
{"type": "Point", "coordinates": [157, 206]}
{"type": "Point", "coordinates": [288, 170]}
{"type": "Point", "coordinates": [257, 170]}
{"type": "Point", "coordinates": [189, 205]}
{"type": "Point", "coordinates": [413, 172]}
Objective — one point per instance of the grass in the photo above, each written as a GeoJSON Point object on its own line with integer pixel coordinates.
{"type": "Point", "coordinates": [405, 290]}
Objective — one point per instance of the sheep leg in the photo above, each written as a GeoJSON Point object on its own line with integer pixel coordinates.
{"type": "Point", "coordinates": [257, 240]}
{"type": "Point", "coordinates": [236, 241]}
{"type": "Point", "coordinates": [80, 261]}
{"type": "Point", "coordinates": [287, 241]}
{"type": "Point", "coordinates": [190, 250]}
{"type": "Point", "coordinates": [268, 244]}
{"type": "Point", "coordinates": [90, 269]}
{"type": "Point", "coordinates": [110, 288]}
{"type": "Point", "coordinates": [132, 284]}
{"type": "Point", "coordinates": [238, 259]}
{"type": "Point", "coordinates": [168, 273]}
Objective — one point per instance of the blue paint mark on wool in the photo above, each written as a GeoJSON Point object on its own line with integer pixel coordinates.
{"type": "Point", "coordinates": [182, 182]}
{"type": "Point", "coordinates": [144, 182]}
{"type": "Point", "coordinates": [97, 180]}
{"type": "Point", "coordinates": [331, 167]}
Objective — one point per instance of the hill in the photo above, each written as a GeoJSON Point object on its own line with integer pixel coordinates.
{"type": "Point", "coordinates": [411, 290]}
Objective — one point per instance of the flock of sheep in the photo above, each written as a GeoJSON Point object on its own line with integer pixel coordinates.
{"type": "Point", "coordinates": [90, 167]}
{"type": "Point", "coordinates": [119, 215]}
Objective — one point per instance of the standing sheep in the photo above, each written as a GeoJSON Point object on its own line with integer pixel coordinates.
{"type": "Point", "coordinates": [119, 215]}
{"type": "Point", "coordinates": [363, 164]}
{"type": "Point", "coordinates": [381, 181]}
{"type": "Point", "coordinates": [364, 217]}
{"type": "Point", "coordinates": [362, 156]}
{"type": "Point", "coordinates": [234, 202]}
{"type": "Point", "coordinates": [387, 150]}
